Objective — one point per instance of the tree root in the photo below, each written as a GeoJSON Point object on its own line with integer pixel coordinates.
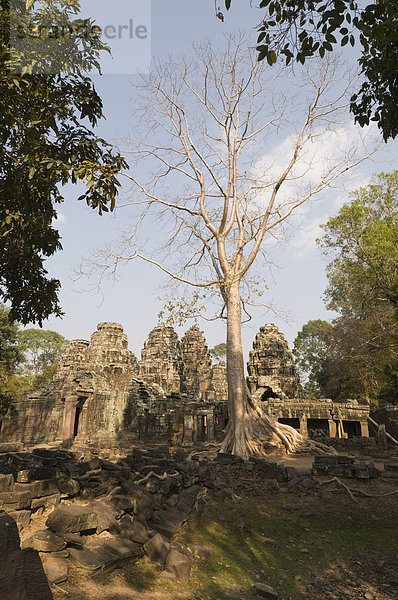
{"type": "Point", "coordinates": [152, 474]}
{"type": "Point", "coordinates": [347, 489]}
{"type": "Point", "coordinates": [259, 430]}
{"type": "Point", "coordinates": [352, 491]}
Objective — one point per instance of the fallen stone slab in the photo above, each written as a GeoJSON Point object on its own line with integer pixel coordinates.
{"type": "Point", "coordinates": [308, 483]}
{"type": "Point", "coordinates": [74, 538]}
{"type": "Point", "coordinates": [36, 474]}
{"type": "Point", "coordinates": [228, 459]}
{"type": "Point", "coordinates": [45, 540]}
{"type": "Point", "coordinates": [142, 500]}
{"type": "Point", "coordinates": [120, 547]}
{"type": "Point", "coordinates": [201, 551]}
{"type": "Point", "coordinates": [106, 517]}
{"type": "Point", "coordinates": [122, 503]}
{"type": "Point", "coordinates": [22, 576]}
{"type": "Point", "coordinates": [391, 466]}
{"type": "Point", "coordinates": [109, 466]}
{"type": "Point", "coordinates": [56, 570]}
{"type": "Point", "coordinates": [389, 475]}
{"type": "Point", "coordinates": [72, 519]}
{"type": "Point", "coordinates": [168, 529]}
{"type": "Point", "coordinates": [171, 514]}
{"type": "Point", "coordinates": [134, 529]}
{"type": "Point", "coordinates": [266, 591]}
{"type": "Point", "coordinates": [157, 548]}
{"type": "Point", "coordinates": [180, 564]}
{"type": "Point", "coordinates": [91, 560]}
{"type": "Point", "coordinates": [189, 497]}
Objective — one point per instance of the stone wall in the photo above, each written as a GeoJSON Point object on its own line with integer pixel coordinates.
{"type": "Point", "coordinates": [315, 418]}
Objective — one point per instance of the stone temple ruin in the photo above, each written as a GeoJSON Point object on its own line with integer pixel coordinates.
{"type": "Point", "coordinates": [101, 394]}
{"type": "Point", "coordinates": [273, 381]}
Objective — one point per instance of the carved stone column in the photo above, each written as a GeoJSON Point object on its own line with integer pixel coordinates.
{"type": "Point", "coordinates": [210, 428]}
{"type": "Point", "coordinates": [364, 429]}
{"type": "Point", "coordinates": [187, 439]}
{"type": "Point", "coordinates": [303, 426]}
{"type": "Point", "coordinates": [69, 419]}
{"type": "Point", "coordinates": [332, 428]}
{"type": "Point", "coordinates": [200, 428]}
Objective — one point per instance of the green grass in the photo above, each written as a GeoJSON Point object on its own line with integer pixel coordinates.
{"type": "Point", "coordinates": [262, 542]}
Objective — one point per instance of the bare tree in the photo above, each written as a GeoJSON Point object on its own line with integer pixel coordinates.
{"type": "Point", "coordinates": [211, 198]}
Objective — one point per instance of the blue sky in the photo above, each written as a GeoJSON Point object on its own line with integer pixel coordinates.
{"type": "Point", "coordinates": [295, 287]}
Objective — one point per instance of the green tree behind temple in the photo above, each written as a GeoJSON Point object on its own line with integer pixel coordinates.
{"type": "Point", "coordinates": [11, 357]}
{"type": "Point", "coordinates": [362, 241]}
{"type": "Point", "coordinates": [219, 354]}
{"type": "Point", "coordinates": [28, 358]}
{"type": "Point", "coordinates": [42, 348]}
{"type": "Point", "coordinates": [346, 358]}
{"type": "Point", "coordinates": [357, 354]}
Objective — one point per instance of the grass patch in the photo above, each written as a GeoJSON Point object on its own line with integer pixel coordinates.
{"type": "Point", "coordinates": [261, 541]}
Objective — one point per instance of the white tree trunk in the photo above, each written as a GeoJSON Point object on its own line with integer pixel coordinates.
{"type": "Point", "coordinates": [249, 428]}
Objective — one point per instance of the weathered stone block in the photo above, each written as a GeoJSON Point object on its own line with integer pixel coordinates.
{"type": "Point", "coordinates": [6, 483]}
{"type": "Point", "coordinates": [143, 501]}
{"type": "Point", "coordinates": [342, 471]}
{"type": "Point", "coordinates": [56, 570]}
{"type": "Point", "coordinates": [22, 518]}
{"type": "Point", "coordinates": [46, 501]}
{"type": "Point", "coordinates": [391, 466]}
{"type": "Point", "coordinates": [157, 548]}
{"type": "Point", "coordinates": [36, 474]}
{"type": "Point", "coordinates": [122, 503]}
{"type": "Point", "coordinates": [45, 541]}
{"type": "Point", "coordinates": [266, 591]}
{"type": "Point", "coordinates": [68, 486]}
{"type": "Point", "coordinates": [121, 548]}
{"type": "Point", "coordinates": [15, 500]}
{"type": "Point", "coordinates": [135, 530]}
{"type": "Point", "coordinates": [167, 529]}
{"type": "Point", "coordinates": [71, 519]}
{"type": "Point", "coordinates": [389, 474]}
{"type": "Point", "coordinates": [91, 560]}
{"type": "Point", "coordinates": [180, 564]}
{"type": "Point", "coordinates": [106, 517]}
{"type": "Point", "coordinates": [37, 489]}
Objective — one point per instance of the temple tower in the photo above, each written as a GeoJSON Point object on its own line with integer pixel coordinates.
{"type": "Point", "coordinates": [196, 363]}
{"type": "Point", "coordinates": [161, 361]}
{"type": "Point", "coordinates": [271, 368]}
